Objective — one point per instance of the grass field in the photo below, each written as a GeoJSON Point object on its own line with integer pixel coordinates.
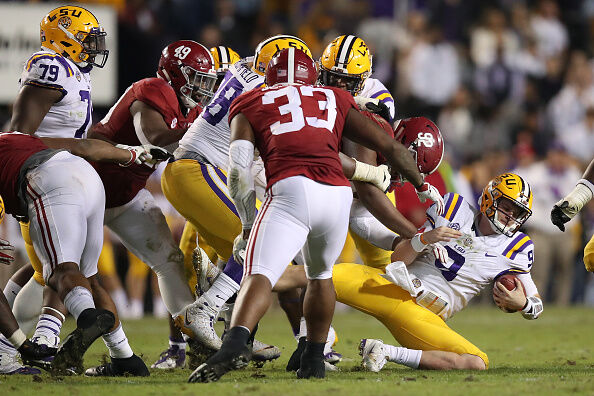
{"type": "Point", "coordinates": [552, 355]}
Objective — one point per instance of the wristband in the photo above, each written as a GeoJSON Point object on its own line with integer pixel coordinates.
{"type": "Point", "coordinates": [417, 243]}
{"type": "Point", "coordinates": [533, 308]}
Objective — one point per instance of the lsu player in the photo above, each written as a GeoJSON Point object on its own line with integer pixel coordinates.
{"type": "Point", "coordinates": [570, 205]}
{"type": "Point", "coordinates": [420, 291]}
{"type": "Point", "coordinates": [224, 58]}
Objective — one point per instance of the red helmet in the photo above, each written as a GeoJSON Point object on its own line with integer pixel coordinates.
{"type": "Point", "coordinates": [423, 138]}
{"type": "Point", "coordinates": [291, 65]}
{"type": "Point", "coordinates": [189, 68]}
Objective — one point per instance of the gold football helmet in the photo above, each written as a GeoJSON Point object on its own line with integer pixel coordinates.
{"type": "Point", "coordinates": [267, 48]}
{"type": "Point", "coordinates": [346, 63]}
{"type": "Point", "coordinates": [223, 58]}
{"type": "Point", "coordinates": [507, 202]}
{"type": "Point", "coordinates": [1, 210]}
{"type": "Point", "coordinates": [74, 32]}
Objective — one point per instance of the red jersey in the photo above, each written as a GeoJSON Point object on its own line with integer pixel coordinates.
{"type": "Point", "coordinates": [15, 149]}
{"type": "Point", "coordinates": [382, 124]}
{"type": "Point", "coordinates": [298, 130]}
{"type": "Point", "coordinates": [407, 201]}
{"type": "Point", "coordinates": [122, 184]}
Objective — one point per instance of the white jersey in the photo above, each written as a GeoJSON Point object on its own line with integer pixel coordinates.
{"type": "Point", "coordinates": [71, 116]}
{"type": "Point", "coordinates": [373, 88]}
{"type": "Point", "coordinates": [474, 260]}
{"type": "Point", "coordinates": [209, 134]}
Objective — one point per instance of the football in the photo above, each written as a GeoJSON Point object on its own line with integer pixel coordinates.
{"type": "Point", "coordinates": [507, 280]}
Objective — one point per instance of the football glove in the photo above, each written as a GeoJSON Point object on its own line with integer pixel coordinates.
{"type": "Point", "coordinates": [239, 248]}
{"type": "Point", "coordinates": [379, 176]}
{"type": "Point", "coordinates": [568, 207]}
{"type": "Point", "coordinates": [5, 252]}
{"type": "Point", "coordinates": [427, 191]}
{"type": "Point", "coordinates": [374, 106]}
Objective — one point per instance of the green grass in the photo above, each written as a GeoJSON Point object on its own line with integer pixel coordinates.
{"type": "Point", "coordinates": [550, 355]}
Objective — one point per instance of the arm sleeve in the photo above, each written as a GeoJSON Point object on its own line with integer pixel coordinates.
{"type": "Point", "coordinates": [241, 181]}
{"type": "Point", "coordinates": [529, 285]}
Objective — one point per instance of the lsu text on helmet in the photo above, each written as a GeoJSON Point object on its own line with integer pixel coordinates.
{"type": "Point", "coordinates": [189, 68]}
{"type": "Point", "coordinates": [423, 139]}
{"type": "Point", "coordinates": [507, 202]}
{"type": "Point", "coordinates": [267, 48]}
{"type": "Point", "coordinates": [74, 32]}
{"type": "Point", "coordinates": [346, 63]}
{"type": "Point", "coordinates": [291, 66]}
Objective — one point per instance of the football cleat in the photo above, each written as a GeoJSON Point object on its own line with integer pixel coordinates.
{"type": "Point", "coordinates": [311, 367]}
{"type": "Point", "coordinates": [295, 359]}
{"type": "Point", "coordinates": [132, 366]}
{"type": "Point", "coordinates": [330, 355]}
{"type": "Point", "coordinates": [373, 354]}
{"type": "Point", "coordinates": [262, 352]}
{"type": "Point", "coordinates": [198, 321]}
{"type": "Point", "coordinates": [221, 363]}
{"type": "Point", "coordinates": [206, 271]}
{"type": "Point", "coordinates": [9, 365]}
{"type": "Point", "coordinates": [70, 354]}
{"type": "Point", "coordinates": [172, 358]}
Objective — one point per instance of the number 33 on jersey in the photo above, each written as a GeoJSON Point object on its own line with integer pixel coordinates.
{"type": "Point", "coordinates": [306, 121]}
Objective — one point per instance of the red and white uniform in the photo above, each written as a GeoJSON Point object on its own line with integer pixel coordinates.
{"type": "Point", "coordinates": [62, 196]}
{"type": "Point", "coordinates": [298, 130]}
{"type": "Point", "coordinates": [131, 212]}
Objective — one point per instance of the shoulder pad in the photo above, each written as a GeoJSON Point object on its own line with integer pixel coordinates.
{"type": "Point", "coordinates": [36, 67]}
{"type": "Point", "coordinates": [519, 252]}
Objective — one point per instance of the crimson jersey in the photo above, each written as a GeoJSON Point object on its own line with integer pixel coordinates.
{"type": "Point", "coordinates": [382, 124]}
{"type": "Point", "coordinates": [298, 129]}
{"type": "Point", "coordinates": [122, 184]}
{"type": "Point", "coordinates": [15, 149]}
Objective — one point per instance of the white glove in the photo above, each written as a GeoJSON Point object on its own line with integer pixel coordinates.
{"type": "Point", "coordinates": [362, 102]}
{"type": "Point", "coordinates": [568, 207]}
{"type": "Point", "coordinates": [427, 191]}
{"type": "Point", "coordinates": [379, 176]}
{"type": "Point", "coordinates": [239, 248]}
{"type": "Point", "coordinates": [5, 248]}
{"type": "Point", "coordinates": [138, 154]}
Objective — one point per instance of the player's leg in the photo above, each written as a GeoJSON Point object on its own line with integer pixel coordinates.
{"type": "Point", "coordinates": [16, 283]}
{"type": "Point", "coordinates": [589, 255]}
{"type": "Point", "coordinates": [136, 285]}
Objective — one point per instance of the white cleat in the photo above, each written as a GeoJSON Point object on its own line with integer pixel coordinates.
{"type": "Point", "coordinates": [9, 365]}
{"type": "Point", "coordinates": [330, 355]}
{"type": "Point", "coordinates": [262, 352]}
{"type": "Point", "coordinates": [50, 341]}
{"type": "Point", "coordinates": [197, 321]}
{"type": "Point", "coordinates": [206, 271]}
{"type": "Point", "coordinates": [373, 354]}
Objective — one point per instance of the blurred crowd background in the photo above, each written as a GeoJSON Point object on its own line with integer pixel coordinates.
{"type": "Point", "coordinates": [510, 83]}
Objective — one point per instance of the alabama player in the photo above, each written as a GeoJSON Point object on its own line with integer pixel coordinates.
{"type": "Point", "coordinates": [307, 201]}
{"type": "Point", "coordinates": [570, 205]}
{"type": "Point", "coordinates": [62, 196]}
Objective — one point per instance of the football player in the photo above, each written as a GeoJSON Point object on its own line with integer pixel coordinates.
{"type": "Point", "coordinates": [64, 199]}
{"type": "Point", "coordinates": [224, 58]}
{"type": "Point", "coordinates": [568, 207]}
{"type": "Point", "coordinates": [307, 201]}
{"type": "Point", "coordinates": [437, 272]}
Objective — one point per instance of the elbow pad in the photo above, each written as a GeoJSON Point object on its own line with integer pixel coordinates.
{"type": "Point", "coordinates": [241, 182]}
{"type": "Point", "coordinates": [533, 308]}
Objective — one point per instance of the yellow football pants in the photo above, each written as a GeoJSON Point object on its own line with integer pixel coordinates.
{"type": "Point", "coordinates": [413, 326]}
{"type": "Point", "coordinates": [589, 255]}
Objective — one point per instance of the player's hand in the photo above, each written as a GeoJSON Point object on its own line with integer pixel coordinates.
{"type": "Point", "coordinates": [32, 350]}
{"type": "Point", "coordinates": [374, 106]}
{"type": "Point", "coordinates": [427, 191]}
{"type": "Point", "coordinates": [440, 253]}
{"type": "Point", "coordinates": [561, 214]}
{"type": "Point", "coordinates": [6, 255]}
{"type": "Point", "coordinates": [156, 153]}
{"type": "Point", "coordinates": [138, 155]}
{"type": "Point", "coordinates": [239, 248]}
{"type": "Point", "coordinates": [382, 178]}
{"type": "Point", "coordinates": [509, 300]}
{"type": "Point", "coordinates": [440, 234]}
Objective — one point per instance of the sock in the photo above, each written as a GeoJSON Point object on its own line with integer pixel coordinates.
{"type": "Point", "coordinates": [49, 327]}
{"type": "Point", "coordinates": [233, 270]}
{"type": "Point", "coordinates": [314, 349]}
{"type": "Point", "coordinates": [27, 305]}
{"type": "Point", "coordinates": [117, 343]}
{"type": "Point", "coordinates": [408, 357]}
{"type": "Point", "coordinates": [220, 291]}
{"type": "Point", "coordinates": [10, 292]}
{"type": "Point", "coordinates": [136, 310]}
{"type": "Point", "coordinates": [177, 343]}
{"type": "Point", "coordinates": [236, 337]}
{"type": "Point", "coordinates": [77, 300]}
{"type": "Point", "coordinates": [302, 329]}
{"type": "Point", "coordinates": [6, 347]}
{"type": "Point", "coordinates": [119, 299]}
{"type": "Point", "coordinates": [159, 308]}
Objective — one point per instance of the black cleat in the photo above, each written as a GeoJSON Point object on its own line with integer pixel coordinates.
{"type": "Point", "coordinates": [132, 367]}
{"type": "Point", "coordinates": [70, 354]}
{"type": "Point", "coordinates": [311, 368]}
{"type": "Point", "coordinates": [220, 364]}
{"type": "Point", "coordinates": [295, 359]}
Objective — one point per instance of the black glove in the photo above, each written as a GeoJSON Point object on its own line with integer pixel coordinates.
{"type": "Point", "coordinates": [30, 350]}
{"type": "Point", "coordinates": [558, 217]}
{"type": "Point", "coordinates": [380, 109]}
{"type": "Point", "coordinates": [160, 154]}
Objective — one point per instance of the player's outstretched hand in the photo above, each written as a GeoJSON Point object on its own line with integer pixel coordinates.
{"type": "Point", "coordinates": [560, 214]}
{"type": "Point", "coordinates": [6, 250]}
{"type": "Point", "coordinates": [509, 300]}
{"type": "Point", "coordinates": [427, 191]}
{"type": "Point", "coordinates": [239, 248]}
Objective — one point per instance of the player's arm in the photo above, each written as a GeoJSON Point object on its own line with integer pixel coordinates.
{"type": "Point", "coordinates": [150, 126]}
{"type": "Point", "coordinates": [30, 107]}
{"type": "Point", "coordinates": [407, 250]}
{"type": "Point", "coordinates": [378, 176]}
{"type": "Point", "coordinates": [361, 130]}
{"type": "Point", "coordinates": [240, 180]}
{"type": "Point", "coordinates": [98, 150]}
{"type": "Point", "coordinates": [568, 207]}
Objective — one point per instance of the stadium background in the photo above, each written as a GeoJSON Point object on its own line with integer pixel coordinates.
{"type": "Point", "coordinates": [510, 84]}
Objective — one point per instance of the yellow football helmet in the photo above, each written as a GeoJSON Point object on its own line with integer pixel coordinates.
{"type": "Point", "coordinates": [74, 32]}
{"type": "Point", "coordinates": [507, 202]}
{"type": "Point", "coordinates": [267, 48]}
{"type": "Point", "coordinates": [346, 63]}
{"type": "Point", "coordinates": [223, 57]}
{"type": "Point", "coordinates": [1, 210]}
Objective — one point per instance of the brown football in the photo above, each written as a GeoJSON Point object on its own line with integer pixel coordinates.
{"type": "Point", "coordinates": [507, 280]}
